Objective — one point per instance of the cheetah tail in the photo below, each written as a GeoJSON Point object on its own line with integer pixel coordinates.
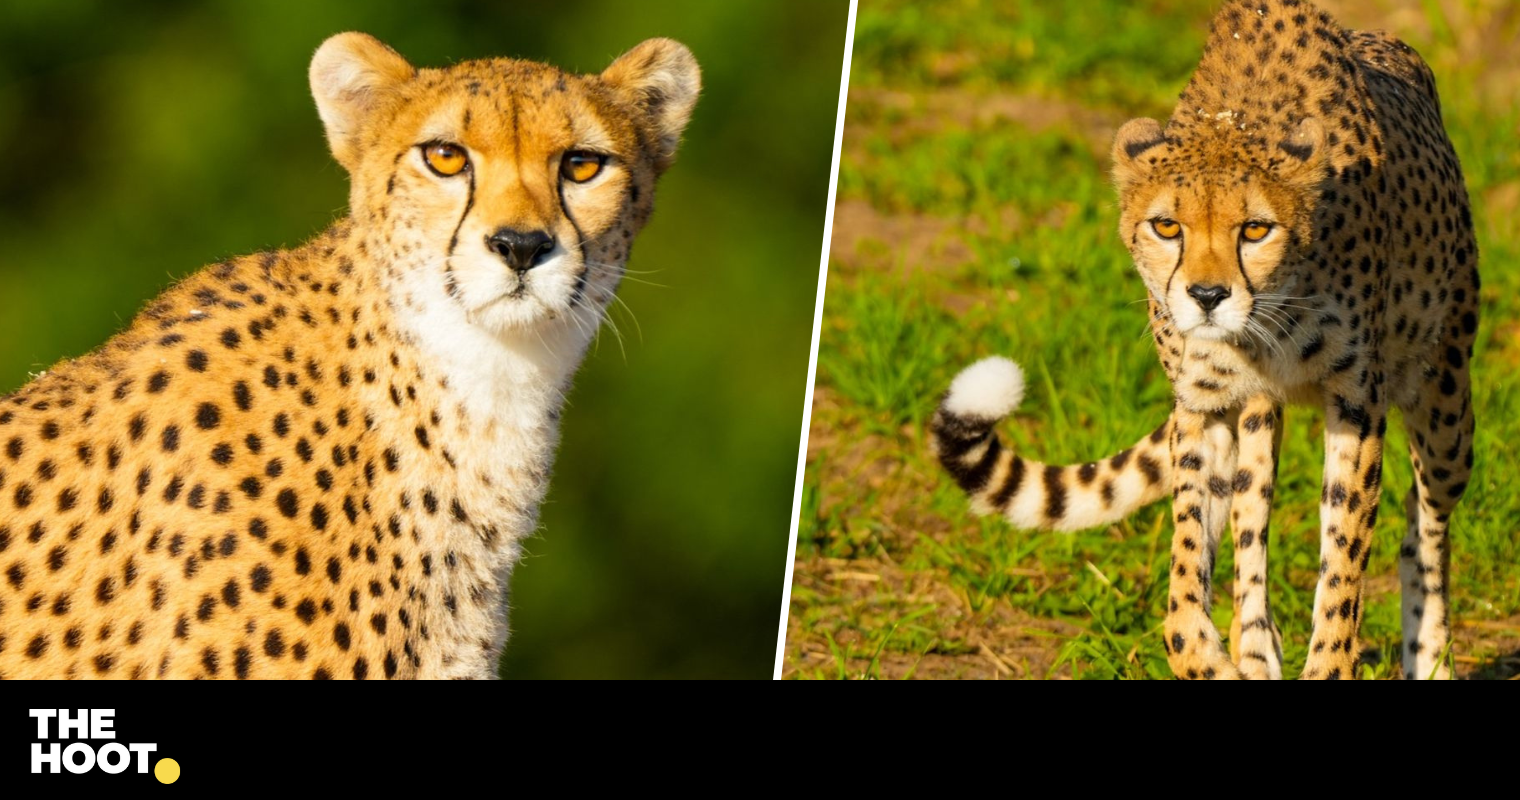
{"type": "Point", "coordinates": [1030, 494]}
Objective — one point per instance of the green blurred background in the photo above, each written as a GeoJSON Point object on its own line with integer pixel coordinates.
{"type": "Point", "coordinates": [142, 141]}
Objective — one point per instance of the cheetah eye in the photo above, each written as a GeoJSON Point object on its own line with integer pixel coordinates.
{"type": "Point", "coordinates": [1255, 231]}
{"type": "Point", "coordinates": [445, 159]}
{"type": "Point", "coordinates": [1166, 228]}
{"type": "Point", "coordinates": [579, 166]}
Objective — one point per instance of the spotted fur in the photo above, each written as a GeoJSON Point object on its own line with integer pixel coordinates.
{"type": "Point", "coordinates": [1361, 294]}
{"type": "Point", "coordinates": [320, 462]}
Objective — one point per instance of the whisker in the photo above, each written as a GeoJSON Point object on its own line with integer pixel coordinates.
{"type": "Point", "coordinates": [640, 328]}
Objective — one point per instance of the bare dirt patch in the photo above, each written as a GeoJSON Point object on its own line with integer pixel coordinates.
{"type": "Point", "coordinates": [991, 643]}
{"type": "Point", "coordinates": [865, 238]}
{"type": "Point", "coordinates": [928, 112]}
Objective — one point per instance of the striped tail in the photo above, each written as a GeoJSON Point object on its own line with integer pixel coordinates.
{"type": "Point", "coordinates": [1030, 494]}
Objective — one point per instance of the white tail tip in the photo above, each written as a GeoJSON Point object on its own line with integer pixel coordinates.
{"type": "Point", "coordinates": [991, 388]}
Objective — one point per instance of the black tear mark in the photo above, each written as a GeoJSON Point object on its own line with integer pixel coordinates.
{"type": "Point", "coordinates": [1240, 264]}
{"type": "Point", "coordinates": [580, 245]}
{"type": "Point", "coordinates": [448, 263]}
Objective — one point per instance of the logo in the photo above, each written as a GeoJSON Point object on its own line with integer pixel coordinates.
{"type": "Point", "coordinates": [74, 755]}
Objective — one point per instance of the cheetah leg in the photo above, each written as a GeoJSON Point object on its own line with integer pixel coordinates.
{"type": "Point", "coordinates": [1203, 459]}
{"type": "Point", "coordinates": [1255, 644]}
{"type": "Point", "coordinates": [1355, 422]}
{"type": "Point", "coordinates": [1440, 427]}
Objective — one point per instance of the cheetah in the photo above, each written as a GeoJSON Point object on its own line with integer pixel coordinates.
{"type": "Point", "coordinates": [320, 462]}
{"type": "Point", "coordinates": [1303, 232]}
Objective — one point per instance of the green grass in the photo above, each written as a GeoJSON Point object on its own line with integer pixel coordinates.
{"type": "Point", "coordinates": [895, 577]}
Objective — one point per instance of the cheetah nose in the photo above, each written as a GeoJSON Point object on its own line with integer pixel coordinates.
{"type": "Point", "coordinates": [522, 250]}
{"type": "Point", "coordinates": [1208, 297]}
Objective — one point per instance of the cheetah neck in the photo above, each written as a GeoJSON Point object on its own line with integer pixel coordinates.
{"type": "Point", "coordinates": [490, 405]}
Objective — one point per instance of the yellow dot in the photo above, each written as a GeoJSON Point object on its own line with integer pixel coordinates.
{"type": "Point", "coordinates": [166, 770]}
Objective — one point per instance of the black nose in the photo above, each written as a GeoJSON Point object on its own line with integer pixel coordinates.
{"type": "Point", "coordinates": [1209, 297]}
{"type": "Point", "coordinates": [522, 250]}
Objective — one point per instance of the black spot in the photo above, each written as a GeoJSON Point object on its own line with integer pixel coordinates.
{"type": "Point", "coordinates": [340, 635]}
{"type": "Point", "coordinates": [196, 361]}
{"type": "Point", "coordinates": [242, 396]}
{"type": "Point", "coordinates": [158, 382]}
{"type": "Point", "coordinates": [208, 416]}
{"type": "Point", "coordinates": [241, 660]}
{"type": "Point", "coordinates": [259, 579]}
{"type": "Point", "coordinates": [222, 454]}
{"type": "Point", "coordinates": [287, 502]}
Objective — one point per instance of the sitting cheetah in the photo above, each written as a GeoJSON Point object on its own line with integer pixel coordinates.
{"type": "Point", "coordinates": [1302, 228]}
{"type": "Point", "coordinates": [320, 462]}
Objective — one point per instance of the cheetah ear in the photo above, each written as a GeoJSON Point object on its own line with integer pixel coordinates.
{"type": "Point", "coordinates": [1134, 139]}
{"type": "Point", "coordinates": [1306, 163]}
{"type": "Point", "coordinates": [352, 75]}
{"type": "Point", "coordinates": [662, 79]}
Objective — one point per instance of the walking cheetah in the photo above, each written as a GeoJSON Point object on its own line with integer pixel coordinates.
{"type": "Point", "coordinates": [1302, 228]}
{"type": "Point", "coordinates": [320, 462]}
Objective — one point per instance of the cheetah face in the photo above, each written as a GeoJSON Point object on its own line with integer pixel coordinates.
{"type": "Point", "coordinates": [508, 188]}
{"type": "Point", "coordinates": [1218, 238]}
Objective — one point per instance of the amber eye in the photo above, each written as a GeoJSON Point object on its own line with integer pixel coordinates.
{"type": "Point", "coordinates": [1255, 231]}
{"type": "Point", "coordinates": [445, 159]}
{"type": "Point", "coordinates": [579, 166]}
{"type": "Point", "coordinates": [1166, 228]}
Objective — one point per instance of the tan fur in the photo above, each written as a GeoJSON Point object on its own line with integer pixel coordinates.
{"type": "Point", "coordinates": [319, 462]}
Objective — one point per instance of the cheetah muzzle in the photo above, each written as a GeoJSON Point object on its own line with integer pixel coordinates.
{"type": "Point", "coordinates": [1303, 232]}
{"type": "Point", "coordinates": [320, 462]}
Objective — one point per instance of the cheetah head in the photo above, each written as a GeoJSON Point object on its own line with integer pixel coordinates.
{"type": "Point", "coordinates": [1218, 227]}
{"type": "Point", "coordinates": [509, 188]}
